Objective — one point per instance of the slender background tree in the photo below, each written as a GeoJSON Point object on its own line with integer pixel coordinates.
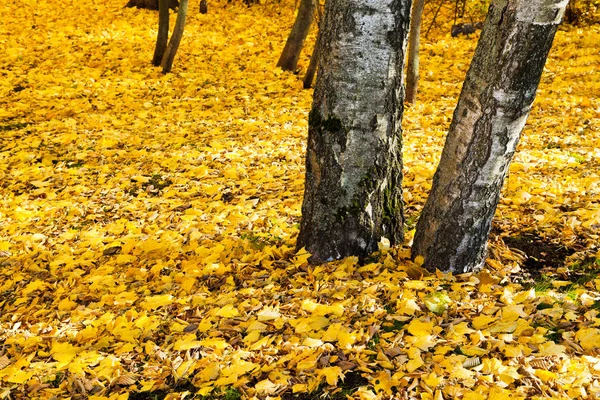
{"type": "Point", "coordinates": [169, 56]}
{"type": "Point", "coordinates": [312, 67]}
{"type": "Point", "coordinates": [314, 58]}
{"type": "Point", "coordinates": [163, 32]}
{"type": "Point", "coordinates": [151, 4]}
{"type": "Point", "coordinates": [288, 60]}
{"type": "Point", "coordinates": [414, 40]}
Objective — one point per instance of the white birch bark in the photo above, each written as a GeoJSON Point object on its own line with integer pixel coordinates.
{"type": "Point", "coordinates": [353, 193]}
{"type": "Point", "coordinates": [495, 101]}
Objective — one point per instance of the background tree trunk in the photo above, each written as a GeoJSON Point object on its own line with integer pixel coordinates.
{"type": "Point", "coordinates": [353, 193]}
{"type": "Point", "coordinates": [150, 4]}
{"type": "Point", "coordinates": [163, 32]}
{"type": "Point", "coordinates": [293, 46]}
{"type": "Point", "coordinates": [312, 67]}
{"type": "Point", "coordinates": [494, 103]}
{"type": "Point", "coordinates": [412, 70]}
{"type": "Point", "coordinates": [314, 58]}
{"type": "Point", "coordinates": [167, 61]}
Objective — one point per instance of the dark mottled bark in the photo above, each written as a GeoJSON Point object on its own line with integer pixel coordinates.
{"type": "Point", "coordinates": [167, 61]}
{"type": "Point", "coordinates": [412, 67]}
{"type": "Point", "coordinates": [494, 103]}
{"type": "Point", "coordinates": [293, 46]}
{"type": "Point", "coordinates": [163, 32]}
{"type": "Point", "coordinates": [353, 194]}
{"type": "Point", "coordinates": [465, 29]}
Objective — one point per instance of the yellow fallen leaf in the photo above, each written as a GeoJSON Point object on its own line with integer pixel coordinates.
{"type": "Point", "coordinates": [66, 305]}
{"type": "Point", "coordinates": [227, 311]}
{"type": "Point", "coordinates": [215, 343]}
{"type": "Point", "coordinates": [33, 286]}
{"type": "Point", "coordinates": [210, 373]}
{"type": "Point", "coordinates": [239, 367]}
{"type": "Point", "coordinates": [482, 321]}
{"type": "Point", "coordinates": [346, 339]}
{"type": "Point", "coordinates": [12, 374]}
{"type": "Point", "coordinates": [63, 352]}
{"type": "Point", "coordinates": [266, 388]}
{"type": "Point", "coordinates": [301, 257]}
{"type": "Point", "coordinates": [552, 349]}
{"type": "Point", "coordinates": [252, 337]}
{"type": "Point", "coordinates": [331, 374]}
{"type": "Point", "coordinates": [382, 382]}
{"type": "Point", "coordinates": [268, 314]}
{"type": "Point", "coordinates": [299, 388]}
{"type": "Point", "coordinates": [147, 385]}
{"type": "Point", "coordinates": [154, 302]}
{"type": "Point", "coordinates": [545, 375]}
{"type": "Point", "coordinates": [310, 342]}
{"type": "Point", "coordinates": [420, 328]}
{"type": "Point", "coordinates": [589, 338]}
{"type": "Point", "coordinates": [332, 332]}
{"type": "Point", "coordinates": [416, 361]}
{"type": "Point", "coordinates": [187, 342]}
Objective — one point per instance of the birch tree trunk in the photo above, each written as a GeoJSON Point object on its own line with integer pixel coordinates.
{"type": "Point", "coordinates": [163, 32]}
{"type": "Point", "coordinates": [169, 56]}
{"type": "Point", "coordinates": [353, 193]}
{"type": "Point", "coordinates": [494, 103]}
{"type": "Point", "coordinates": [414, 39]}
{"type": "Point", "coordinates": [293, 46]}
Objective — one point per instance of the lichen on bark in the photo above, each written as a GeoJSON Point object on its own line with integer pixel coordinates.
{"type": "Point", "coordinates": [353, 193]}
{"type": "Point", "coordinates": [495, 101]}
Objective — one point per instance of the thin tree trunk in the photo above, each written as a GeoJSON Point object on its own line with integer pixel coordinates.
{"type": "Point", "coordinates": [353, 193]}
{"type": "Point", "coordinates": [312, 66]}
{"type": "Point", "coordinates": [163, 32]}
{"type": "Point", "coordinates": [150, 4]}
{"type": "Point", "coordinates": [494, 103]}
{"type": "Point", "coordinates": [314, 58]}
{"type": "Point", "coordinates": [167, 61]}
{"type": "Point", "coordinates": [293, 46]}
{"type": "Point", "coordinates": [412, 70]}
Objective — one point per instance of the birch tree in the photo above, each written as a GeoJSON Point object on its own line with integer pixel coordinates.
{"type": "Point", "coordinates": [353, 194]}
{"type": "Point", "coordinates": [495, 101]}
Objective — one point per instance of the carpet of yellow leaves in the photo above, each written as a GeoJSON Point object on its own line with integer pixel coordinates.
{"type": "Point", "coordinates": [147, 224]}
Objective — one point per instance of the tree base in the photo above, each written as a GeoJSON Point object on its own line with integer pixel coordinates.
{"type": "Point", "coordinates": [150, 4]}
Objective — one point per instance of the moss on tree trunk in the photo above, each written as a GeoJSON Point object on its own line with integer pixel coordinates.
{"type": "Point", "coordinates": [353, 194]}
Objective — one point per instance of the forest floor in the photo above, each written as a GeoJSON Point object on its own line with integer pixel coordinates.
{"type": "Point", "coordinates": [148, 221]}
